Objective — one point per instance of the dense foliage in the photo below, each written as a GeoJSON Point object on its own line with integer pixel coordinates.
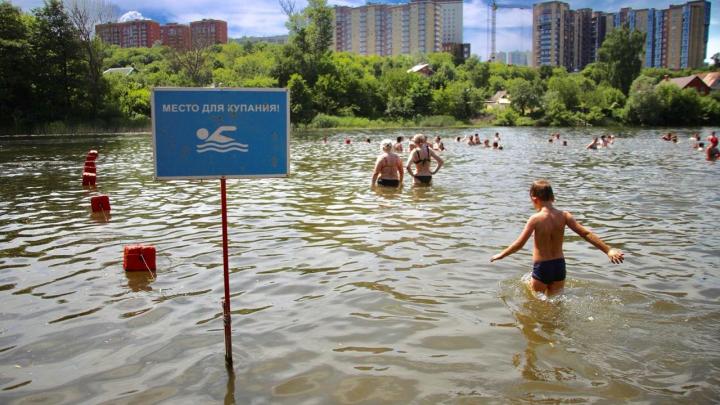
{"type": "Point", "coordinates": [49, 78]}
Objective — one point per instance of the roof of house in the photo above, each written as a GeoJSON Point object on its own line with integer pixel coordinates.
{"type": "Point", "coordinates": [683, 82]}
{"type": "Point", "coordinates": [500, 96]}
{"type": "Point", "coordinates": [418, 68]}
{"type": "Point", "coordinates": [124, 70]}
{"type": "Point", "coordinates": [712, 79]}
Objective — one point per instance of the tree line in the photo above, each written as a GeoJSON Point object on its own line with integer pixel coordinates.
{"type": "Point", "coordinates": [51, 77]}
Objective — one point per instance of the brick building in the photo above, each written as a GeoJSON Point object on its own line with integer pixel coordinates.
{"type": "Point", "coordinates": [176, 36]}
{"type": "Point", "coordinates": [130, 34]}
{"type": "Point", "coordinates": [208, 32]}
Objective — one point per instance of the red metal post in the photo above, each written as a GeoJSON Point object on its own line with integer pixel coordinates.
{"type": "Point", "coordinates": [226, 275]}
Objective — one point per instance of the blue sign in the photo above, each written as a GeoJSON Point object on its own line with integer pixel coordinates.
{"type": "Point", "coordinates": [213, 133]}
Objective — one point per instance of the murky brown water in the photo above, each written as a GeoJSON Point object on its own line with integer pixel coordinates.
{"type": "Point", "coordinates": [341, 294]}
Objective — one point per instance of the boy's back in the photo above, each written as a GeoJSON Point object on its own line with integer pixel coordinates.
{"type": "Point", "coordinates": [549, 225]}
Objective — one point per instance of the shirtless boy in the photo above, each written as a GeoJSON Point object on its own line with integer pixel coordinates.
{"type": "Point", "coordinates": [548, 225]}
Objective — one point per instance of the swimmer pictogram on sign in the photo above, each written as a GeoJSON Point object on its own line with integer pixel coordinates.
{"type": "Point", "coordinates": [217, 142]}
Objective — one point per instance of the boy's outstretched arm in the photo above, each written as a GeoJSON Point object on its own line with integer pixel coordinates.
{"type": "Point", "coordinates": [615, 255]}
{"type": "Point", "coordinates": [519, 242]}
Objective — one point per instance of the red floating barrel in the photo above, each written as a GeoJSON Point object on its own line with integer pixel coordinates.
{"type": "Point", "coordinates": [139, 258]}
{"type": "Point", "coordinates": [89, 179]}
{"type": "Point", "coordinates": [100, 203]}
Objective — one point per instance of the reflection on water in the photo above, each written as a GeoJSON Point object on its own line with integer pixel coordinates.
{"type": "Point", "coordinates": [346, 294]}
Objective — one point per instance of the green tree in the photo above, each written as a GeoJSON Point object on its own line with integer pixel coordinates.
{"type": "Point", "coordinates": [301, 105]}
{"type": "Point", "coordinates": [525, 96]}
{"type": "Point", "coordinates": [85, 15]}
{"type": "Point", "coordinates": [60, 91]}
{"type": "Point", "coordinates": [620, 56]}
{"type": "Point", "coordinates": [643, 105]}
{"type": "Point", "coordinates": [308, 50]}
{"type": "Point", "coordinates": [678, 107]}
{"type": "Point", "coordinates": [478, 73]}
{"type": "Point", "coordinates": [16, 68]}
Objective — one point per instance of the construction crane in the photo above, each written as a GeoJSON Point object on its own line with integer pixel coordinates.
{"type": "Point", "coordinates": [492, 9]}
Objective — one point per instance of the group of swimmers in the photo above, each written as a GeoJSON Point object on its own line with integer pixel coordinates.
{"type": "Point", "coordinates": [389, 170]}
{"type": "Point", "coordinates": [602, 142]}
{"type": "Point", "coordinates": [474, 140]}
{"type": "Point", "coordinates": [711, 152]}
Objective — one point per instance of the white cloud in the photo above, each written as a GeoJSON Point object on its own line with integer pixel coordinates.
{"type": "Point", "coordinates": [131, 15]}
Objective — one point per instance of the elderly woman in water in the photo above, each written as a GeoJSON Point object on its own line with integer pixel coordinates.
{"type": "Point", "coordinates": [421, 157]}
{"type": "Point", "coordinates": [388, 167]}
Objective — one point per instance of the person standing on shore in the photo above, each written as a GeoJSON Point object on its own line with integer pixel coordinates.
{"type": "Point", "coordinates": [421, 157]}
{"type": "Point", "coordinates": [388, 167]}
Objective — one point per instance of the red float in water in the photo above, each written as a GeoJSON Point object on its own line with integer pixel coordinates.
{"type": "Point", "coordinates": [139, 258]}
{"type": "Point", "coordinates": [89, 179]}
{"type": "Point", "coordinates": [100, 203]}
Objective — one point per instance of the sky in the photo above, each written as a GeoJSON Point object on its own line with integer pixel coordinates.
{"type": "Point", "coordinates": [265, 18]}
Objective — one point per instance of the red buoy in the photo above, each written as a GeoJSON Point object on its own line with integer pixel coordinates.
{"type": "Point", "coordinates": [89, 163]}
{"type": "Point", "coordinates": [92, 154]}
{"type": "Point", "coordinates": [100, 203]}
{"type": "Point", "coordinates": [139, 258]}
{"type": "Point", "coordinates": [89, 179]}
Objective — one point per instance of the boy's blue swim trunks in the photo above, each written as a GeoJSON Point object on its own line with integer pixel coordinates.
{"type": "Point", "coordinates": [549, 270]}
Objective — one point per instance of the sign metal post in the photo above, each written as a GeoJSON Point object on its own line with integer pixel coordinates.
{"type": "Point", "coordinates": [221, 133]}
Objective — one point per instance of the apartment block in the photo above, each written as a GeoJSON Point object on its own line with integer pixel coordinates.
{"type": "Point", "coordinates": [675, 37]}
{"type": "Point", "coordinates": [145, 33]}
{"type": "Point", "coordinates": [130, 34]}
{"type": "Point", "coordinates": [552, 34]}
{"type": "Point", "coordinates": [208, 32]}
{"type": "Point", "coordinates": [176, 36]}
{"type": "Point", "coordinates": [419, 26]}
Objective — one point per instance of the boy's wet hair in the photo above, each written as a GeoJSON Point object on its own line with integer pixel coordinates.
{"type": "Point", "coordinates": [542, 190]}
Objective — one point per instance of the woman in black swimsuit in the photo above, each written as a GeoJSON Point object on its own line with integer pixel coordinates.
{"type": "Point", "coordinates": [421, 158]}
{"type": "Point", "coordinates": [388, 167]}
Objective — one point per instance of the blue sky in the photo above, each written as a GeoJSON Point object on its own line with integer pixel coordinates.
{"type": "Point", "coordinates": [264, 17]}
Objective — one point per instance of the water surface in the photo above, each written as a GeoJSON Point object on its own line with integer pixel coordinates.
{"type": "Point", "coordinates": [343, 294]}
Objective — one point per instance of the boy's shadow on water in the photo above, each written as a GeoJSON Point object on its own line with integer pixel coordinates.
{"type": "Point", "coordinates": [542, 322]}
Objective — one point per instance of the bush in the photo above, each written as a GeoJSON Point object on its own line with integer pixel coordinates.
{"type": "Point", "coordinates": [506, 117]}
{"type": "Point", "coordinates": [325, 121]}
{"type": "Point", "coordinates": [438, 121]}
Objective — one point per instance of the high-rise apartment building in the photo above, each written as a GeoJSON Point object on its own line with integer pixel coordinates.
{"type": "Point", "coordinates": [676, 37]}
{"type": "Point", "coordinates": [130, 34]}
{"type": "Point", "coordinates": [420, 26]}
{"type": "Point", "coordinates": [176, 36]}
{"type": "Point", "coordinates": [208, 32]}
{"type": "Point", "coordinates": [552, 34]}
